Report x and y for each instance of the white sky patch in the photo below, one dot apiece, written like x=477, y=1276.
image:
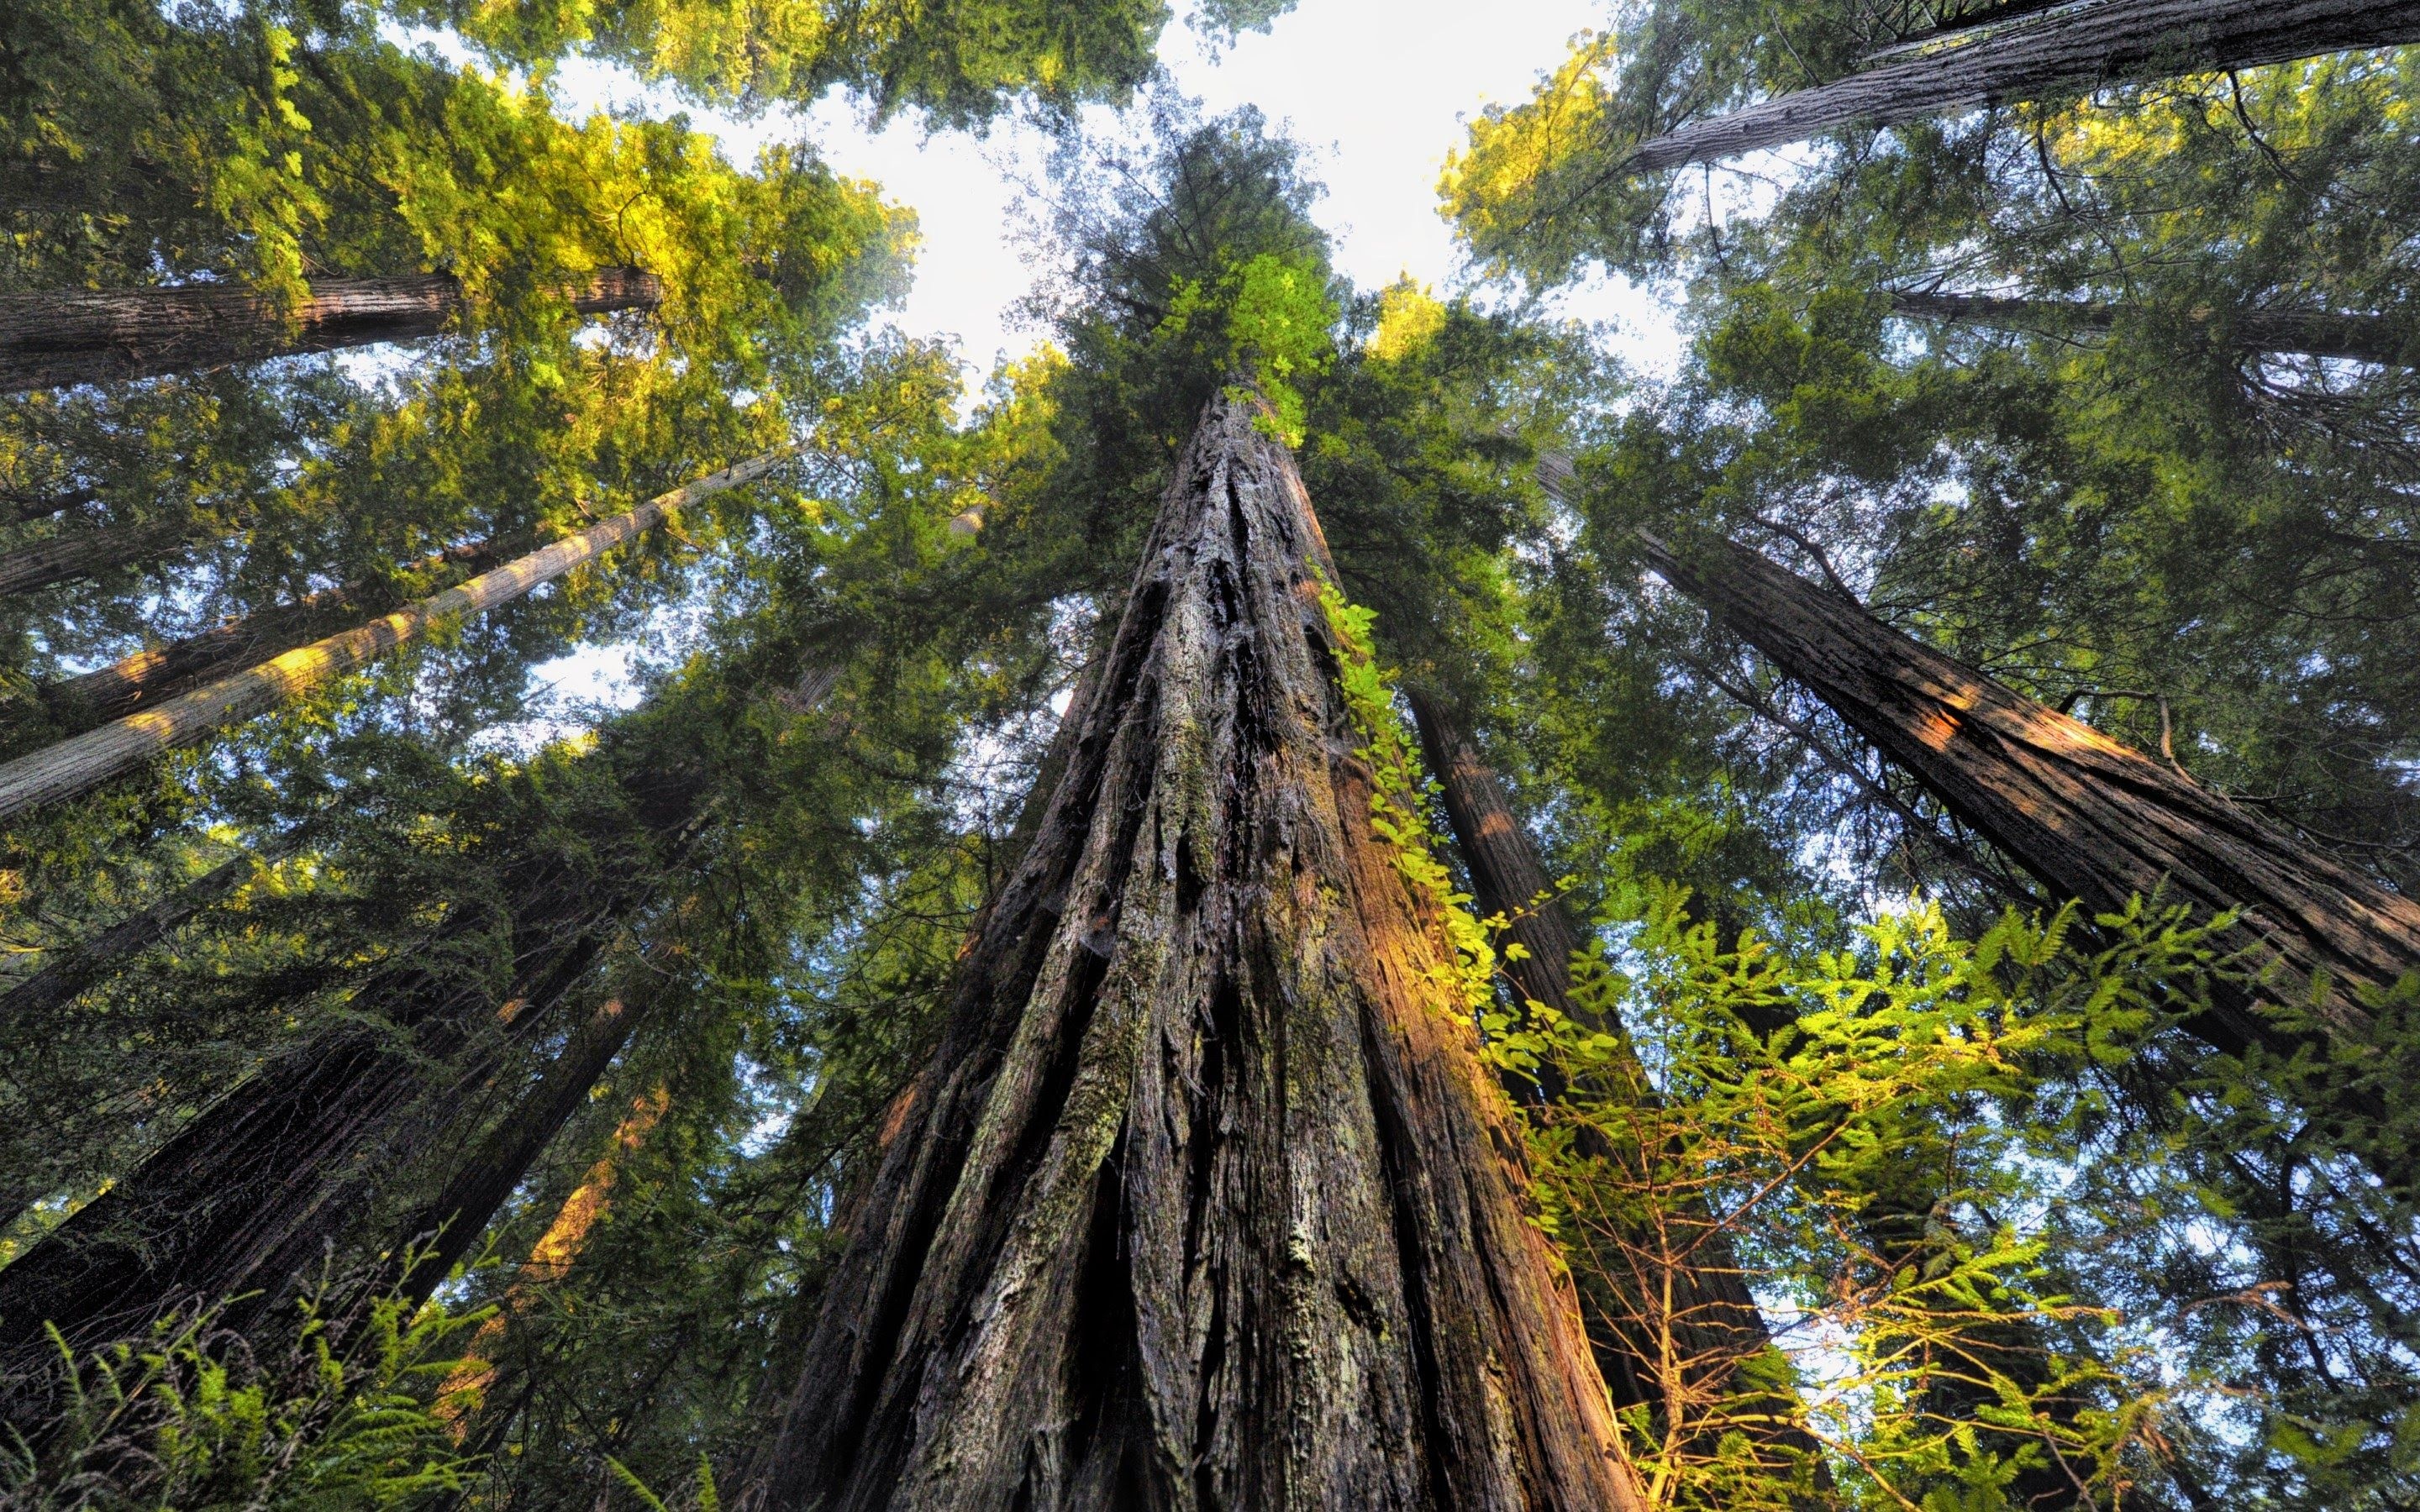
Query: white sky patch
x=1380, y=97
x=568, y=694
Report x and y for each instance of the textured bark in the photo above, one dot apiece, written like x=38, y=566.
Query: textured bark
x=155, y=673
x=59, y=337
x=1204, y=1199
x=68, y=972
x=247, y=1196
x=2367, y=339
x=1706, y=1323
x=2095, y=820
x=82, y=763
x=73, y=554
x=2073, y=46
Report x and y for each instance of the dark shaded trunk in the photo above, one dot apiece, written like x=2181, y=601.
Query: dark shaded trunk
x=60, y=337
x=71, y=970
x=440, y=1236
x=2366, y=338
x=1205, y=1199
x=1679, y=1348
x=248, y=1196
x=157, y=674
x=89, y=553
x=19, y=508
x=2095, y=820
x=2070, y=48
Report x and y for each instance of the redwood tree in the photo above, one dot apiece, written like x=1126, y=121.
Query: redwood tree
x=2073, y=46
x=1680, y=1320
x=1205, y=1197
x=2367, y=339
x=2096, y=819
x=57, y=337
x=243, y=1202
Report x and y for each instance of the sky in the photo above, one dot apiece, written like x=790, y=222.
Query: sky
x=1378, y=91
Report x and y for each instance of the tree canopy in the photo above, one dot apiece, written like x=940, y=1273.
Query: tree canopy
x=1034, y=987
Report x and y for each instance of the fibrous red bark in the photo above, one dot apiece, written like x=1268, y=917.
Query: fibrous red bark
x=59, y=337
x=2094, y=819
x=2366, y=338
x=2070, y=47
x=1205, y=1199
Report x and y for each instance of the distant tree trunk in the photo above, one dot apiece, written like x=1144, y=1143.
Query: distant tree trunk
x=249, y=1197
x=60, y=337
x=1707, y=1324
x=18, y=508
x=88, y=553
x=246, y=1197
x=2073, y=46
x=70, y=971
x=1205, y=1199
x=2366, y=338
x=82, y=763
x=440, y=1235
x=2095, y=820
x=552, y=1258
x=157, y=674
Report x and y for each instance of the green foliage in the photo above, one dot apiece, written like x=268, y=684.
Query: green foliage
x=1868, y=1137
x=961, y=63
x=1400, y=795
x=190, y=1417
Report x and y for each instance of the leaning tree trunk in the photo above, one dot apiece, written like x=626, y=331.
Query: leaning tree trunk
x=1681, y=1320
x=82, y=763
x=1204, y=1198
x=19, y=508
x=2096, y=820
x=89, y=553
x=73, y=969
x=150, y=677
x=438, y=1237
x=59, y=337
x=2367, y=339
x=2073, y=46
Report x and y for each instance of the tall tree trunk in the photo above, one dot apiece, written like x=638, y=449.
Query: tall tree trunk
x=88, y=553
x=246, y=1197
x=439, y=1236
x=68, y=972
x=155, y=673
x=59, y=337
x=2366, y=338
x=1204, y=1198
x=82, y=763
x=2095, y=820
x=2073, y=46
x=552, y=1258
x=1680, y=1320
